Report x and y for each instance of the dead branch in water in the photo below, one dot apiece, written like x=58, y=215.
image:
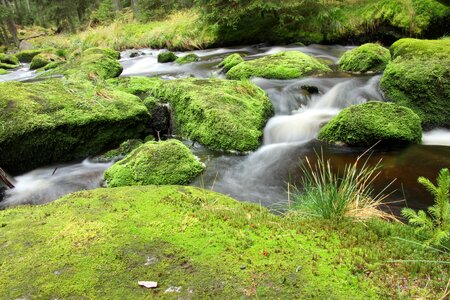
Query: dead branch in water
x=5, y=180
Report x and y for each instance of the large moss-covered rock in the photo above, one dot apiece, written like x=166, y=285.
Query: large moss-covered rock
x=60, y=120
x=155, y=163
x=136, y=85
x=230, y=61
x=8, y=66
x=190, y=58
x=165, y=57
x=43, y=59
x=283, y=65
x=366, y=124
x=221, y=114
x=26, y=56
x=419, y=78
x=9, y=59
x=366, y=58
x=107, y=51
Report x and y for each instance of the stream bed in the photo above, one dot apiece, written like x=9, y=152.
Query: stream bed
x=289, y=137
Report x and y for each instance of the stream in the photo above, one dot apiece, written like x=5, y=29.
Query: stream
x=289, y=136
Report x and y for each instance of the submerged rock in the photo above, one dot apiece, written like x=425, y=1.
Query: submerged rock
x=366, y=58
x=187, y=59
x=366, y=124
x=165, y=57
x=419, y=78
x=283, y=65
x=59, y=120
x=231, y=61
x=159, y=163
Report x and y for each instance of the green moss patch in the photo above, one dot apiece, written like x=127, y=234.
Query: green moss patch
x=283, y=65
x=59, y=120
x=26, y=56
x=231, y=61
x=365, y=124
x=107, y=51
x=43, y=59
x=366, y=58
x=190, y=58
x=99, y=244
x=9, y=59
x=3, y=72
x=165, y=57
x=120, y=152
x=136, y=85
x=221, y=114
x=8, y=66
x=419, y=78
x=168, y=162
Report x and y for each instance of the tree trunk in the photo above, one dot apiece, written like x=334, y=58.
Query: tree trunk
x=116, y=5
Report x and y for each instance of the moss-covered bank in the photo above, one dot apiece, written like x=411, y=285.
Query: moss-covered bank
x=167, y=162
x=365, y=58
x=283, y=65
x=366, y=124
x=99, y=244
x=59, y=120
x=221, y=114
x=419, y=78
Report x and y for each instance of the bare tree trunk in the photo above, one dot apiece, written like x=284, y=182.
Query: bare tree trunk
x=5, y=180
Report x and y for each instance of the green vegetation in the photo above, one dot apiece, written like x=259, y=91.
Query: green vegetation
x=330, y=195
x=191, y=57
x=168, y=162
x=283, y=65
x=8, y=66
x=27, y=56
x=98, y=244
x=365, y=58
x=3, y=72
x=434, y=226
x=220, y=114
x=371, y=122
x=43, y=59
x=165, y=57
x=113, y=54
x=231, y=61
x=136, y=85
x=419, y=78
x=59, y=120
x=9, y=59
x=120, y=152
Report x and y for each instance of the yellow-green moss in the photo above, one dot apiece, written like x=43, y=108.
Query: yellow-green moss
x=9, y=59
x=189, y=58
x=43, y=59
x=365, y=58
x=26, y=56
x=3, y=72
x=231, y=61
x=167, y=162
x=136, y=85
x=283, y=65
x=366, y=124
x=165, y=57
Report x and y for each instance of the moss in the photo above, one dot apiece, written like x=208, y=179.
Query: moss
x=43, y=59
x=283, y=65
x=3, y=72
x=165, y=57
x=136, y=85
x=107, y=51
x=366, y=124
x=60, y=120
x=98, y=244
x=366, y=58
x=221, y=114
x=231, y=61
x=9, y=59
x=168, y=162
x=8, y=66
x=53, y=65
x=26, y=56
x=124, y=149
x=190, y=58
x=419, y=78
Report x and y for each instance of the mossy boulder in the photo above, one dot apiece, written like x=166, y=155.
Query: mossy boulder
x=230, y=61
x=419, y=78
x=366, y=124
x=8, y=66
x=43, y=59
x=59, y=120
x=9, y=59
x=283, y=65
x=190, y=58
x=107, y=51
x=155, y=163
x=366, y=58
x=221, y=114
x=26, y=56
x=167, y=56
x=136, y=85
x=3, y=72
x=120, y=152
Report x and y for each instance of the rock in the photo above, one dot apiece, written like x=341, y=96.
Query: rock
x=8, y=66
x=283, y=65
x=220, y=114
x=310, y=89
x=366, y=58
x=26, y=56
x=9, y=59
x=135, y=54
x=165, y=57
x=187, y=59
x=155, y=163
x=231, y=61
x=136, y=85
x=106, y=51
x=43, y=59
x=60, y=120
x=124, y=149
x=418, y=77
x=366, y=124
x=24, y=45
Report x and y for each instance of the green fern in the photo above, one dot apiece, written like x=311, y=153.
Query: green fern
x=436, y=225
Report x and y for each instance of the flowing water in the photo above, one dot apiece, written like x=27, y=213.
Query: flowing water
x=289, y=136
